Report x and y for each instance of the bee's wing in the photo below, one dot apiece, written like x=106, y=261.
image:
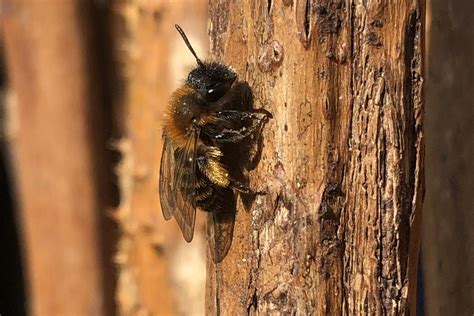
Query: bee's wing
x=178, y=184
x=167, y=198
x=220, y=226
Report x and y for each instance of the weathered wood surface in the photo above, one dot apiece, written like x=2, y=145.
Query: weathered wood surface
x=56, y=135
x=342, y=162
x=448, y=237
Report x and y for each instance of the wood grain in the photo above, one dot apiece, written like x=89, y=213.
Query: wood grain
x=448, y=237
x=56, y=143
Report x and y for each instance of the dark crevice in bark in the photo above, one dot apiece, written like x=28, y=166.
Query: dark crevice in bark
x=329, y=20
x=269, y=6
x=410, y=138
x=253, y=303
x=252, y=286
x=307, y=19
x=345, y=211
x=382, y=207
x=218, y=292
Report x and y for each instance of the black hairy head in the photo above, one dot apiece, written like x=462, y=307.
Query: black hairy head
x=212, y=80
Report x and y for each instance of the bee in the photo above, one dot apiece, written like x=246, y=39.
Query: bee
x=206, y=117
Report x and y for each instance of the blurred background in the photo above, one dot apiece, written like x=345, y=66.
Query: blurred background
x=81, y=85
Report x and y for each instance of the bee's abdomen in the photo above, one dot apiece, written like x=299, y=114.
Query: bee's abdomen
x=204, y=189
x=208, y=195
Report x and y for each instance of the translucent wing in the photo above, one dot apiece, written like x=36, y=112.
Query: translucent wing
x=220, y=226
x=178, y=183
x=167, y=199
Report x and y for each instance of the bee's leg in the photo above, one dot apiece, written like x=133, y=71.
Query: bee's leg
x=244, y=188
x=234, y=126
x=209, y=164
x=232, y=136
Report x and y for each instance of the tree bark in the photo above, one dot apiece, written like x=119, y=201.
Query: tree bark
x=448, y=237
x=342, y=163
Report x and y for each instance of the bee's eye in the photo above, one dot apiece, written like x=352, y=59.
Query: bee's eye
x=216, y=91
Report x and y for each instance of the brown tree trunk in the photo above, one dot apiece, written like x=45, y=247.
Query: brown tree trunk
x=448, y=237
x=342, y=161
x=159, y=273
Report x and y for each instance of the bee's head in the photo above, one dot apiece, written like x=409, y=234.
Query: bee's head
x=210, y=79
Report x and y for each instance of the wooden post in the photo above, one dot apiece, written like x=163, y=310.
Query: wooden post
x=342, y=162
x=56, y=136
x=448, y=237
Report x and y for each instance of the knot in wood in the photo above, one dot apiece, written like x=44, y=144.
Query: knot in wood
x=270, y=56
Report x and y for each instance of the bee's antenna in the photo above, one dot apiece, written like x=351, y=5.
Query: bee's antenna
x=185, y=38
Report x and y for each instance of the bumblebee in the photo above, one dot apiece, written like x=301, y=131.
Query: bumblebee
x=210, y=113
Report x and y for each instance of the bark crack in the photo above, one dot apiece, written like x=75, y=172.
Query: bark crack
x=255, y=226
x=307, y=20
x=269, y=6
x=253, y=303
x=409, y=139
x=344, y=296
